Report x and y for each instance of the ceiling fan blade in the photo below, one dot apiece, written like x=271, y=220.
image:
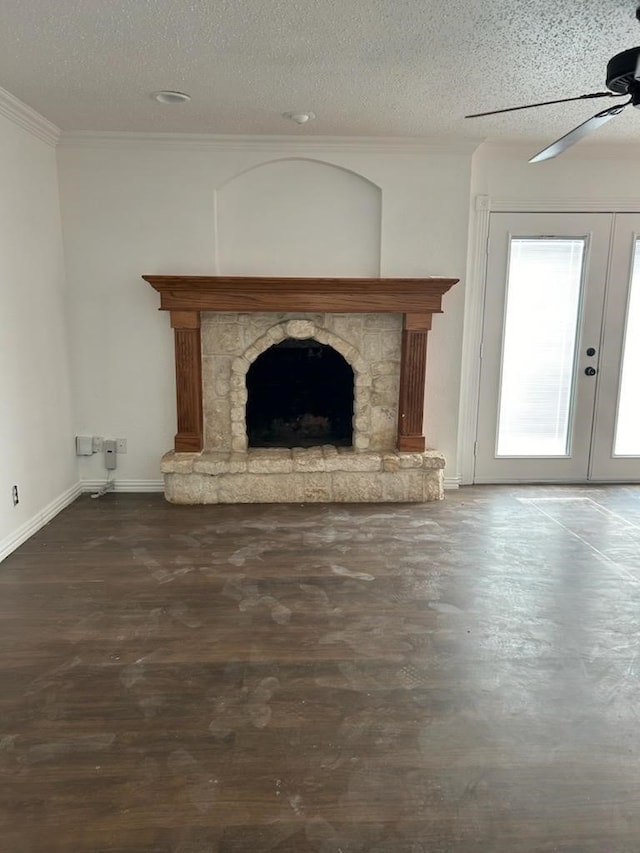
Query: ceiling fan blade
x=578, y=133
x=546, y=103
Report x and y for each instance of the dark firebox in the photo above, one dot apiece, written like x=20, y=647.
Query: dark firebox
x=300, y=393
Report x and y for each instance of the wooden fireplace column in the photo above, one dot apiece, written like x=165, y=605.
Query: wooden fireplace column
x=413, y=372
x=187, y=296
x=188, y=352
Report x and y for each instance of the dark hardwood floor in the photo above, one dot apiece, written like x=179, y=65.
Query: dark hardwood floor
x=440, y=678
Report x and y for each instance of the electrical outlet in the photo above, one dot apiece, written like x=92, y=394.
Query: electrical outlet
x=121, y=445
x=14, y=494
x=97, y=443
x=110, y=455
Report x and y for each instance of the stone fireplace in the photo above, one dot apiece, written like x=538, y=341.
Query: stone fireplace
x=300, y=390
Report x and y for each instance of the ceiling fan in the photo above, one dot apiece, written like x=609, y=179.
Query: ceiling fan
x=623, y=78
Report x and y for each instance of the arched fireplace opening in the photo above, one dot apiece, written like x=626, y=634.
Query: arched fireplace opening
x=300, y=394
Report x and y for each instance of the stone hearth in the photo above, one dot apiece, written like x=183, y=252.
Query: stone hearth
x=385, y=347
x=303, y=475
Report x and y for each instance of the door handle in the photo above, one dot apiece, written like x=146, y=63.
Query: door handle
x=590, y=371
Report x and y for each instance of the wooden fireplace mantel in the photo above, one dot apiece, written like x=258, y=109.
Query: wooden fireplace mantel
x=186, y=296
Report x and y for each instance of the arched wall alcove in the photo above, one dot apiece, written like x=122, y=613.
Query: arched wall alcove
x=296, y=217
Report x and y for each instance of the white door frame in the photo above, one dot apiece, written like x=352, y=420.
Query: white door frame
x=479, y=214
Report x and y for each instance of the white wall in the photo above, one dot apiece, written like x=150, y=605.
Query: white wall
x=132, y=207
x=36, y=430
x=586, y=176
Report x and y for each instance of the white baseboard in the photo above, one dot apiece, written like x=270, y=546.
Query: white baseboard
x=453, y=482
x=25, y=531
x=124, y=485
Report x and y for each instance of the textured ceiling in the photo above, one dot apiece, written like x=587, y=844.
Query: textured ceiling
x=365, y=67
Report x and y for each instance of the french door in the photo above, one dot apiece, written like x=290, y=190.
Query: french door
x=560, y=350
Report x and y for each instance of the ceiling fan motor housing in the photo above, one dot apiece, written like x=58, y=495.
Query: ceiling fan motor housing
x=621, y=72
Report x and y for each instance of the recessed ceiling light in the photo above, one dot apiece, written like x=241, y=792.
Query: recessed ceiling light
x=168, y=97
x=299, y=117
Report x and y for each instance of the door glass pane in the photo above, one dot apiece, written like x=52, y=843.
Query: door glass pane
x=538, y=358
x=627, y=442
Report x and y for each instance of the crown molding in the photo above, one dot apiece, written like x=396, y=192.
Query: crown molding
x=306, y=145
x=22, y=115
